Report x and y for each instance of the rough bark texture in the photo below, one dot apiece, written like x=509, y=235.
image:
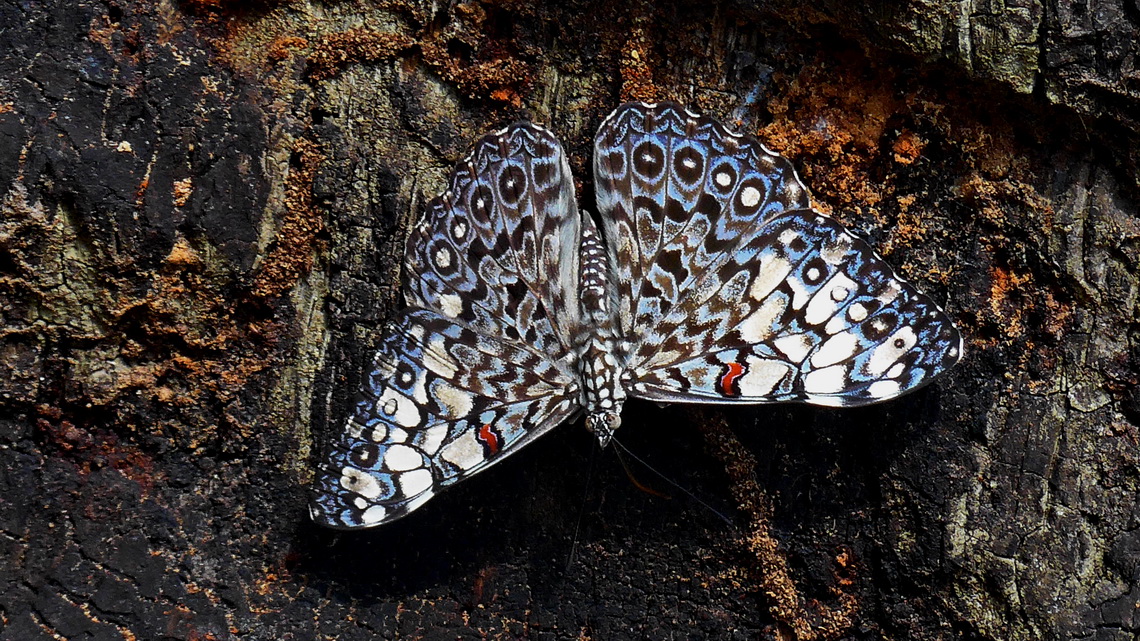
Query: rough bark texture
x=203, y=208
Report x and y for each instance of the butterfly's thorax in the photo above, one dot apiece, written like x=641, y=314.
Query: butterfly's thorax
x=600, y=364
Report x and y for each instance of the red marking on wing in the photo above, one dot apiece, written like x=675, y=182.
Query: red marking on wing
x=489, y=439
x=732, y=372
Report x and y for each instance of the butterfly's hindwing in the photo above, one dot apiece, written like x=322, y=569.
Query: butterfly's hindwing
x=441, y=403
x=813, y=315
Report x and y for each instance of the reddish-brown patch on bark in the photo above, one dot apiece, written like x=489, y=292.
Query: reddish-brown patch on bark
x=336, y=51
x=91, y=448
x=282, y=47
x=498, y=78
x=907, y=147
x=799, y=618
x=831, y=120
x=1007, y=299
x=636, y=68
x=292, y=252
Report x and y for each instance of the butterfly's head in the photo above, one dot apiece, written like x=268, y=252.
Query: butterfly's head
x=603, y=424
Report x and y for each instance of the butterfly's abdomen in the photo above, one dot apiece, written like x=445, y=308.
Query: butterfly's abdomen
x=600, y=364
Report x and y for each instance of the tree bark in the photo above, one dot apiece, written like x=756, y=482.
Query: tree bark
x=203, y=213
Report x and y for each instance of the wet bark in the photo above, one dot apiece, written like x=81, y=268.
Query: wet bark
x=203, y=210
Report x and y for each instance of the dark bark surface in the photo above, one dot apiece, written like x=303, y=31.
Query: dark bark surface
x=202, y=212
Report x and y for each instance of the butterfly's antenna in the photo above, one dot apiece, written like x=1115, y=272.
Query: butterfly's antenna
x=686, y=492
x=582, y=504
x=633, y=479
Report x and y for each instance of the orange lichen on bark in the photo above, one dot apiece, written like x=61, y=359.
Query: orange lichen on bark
x=280, y=48
x=636, y=70
x=836, y=117
x=292, y=251
x=336, y=51
x=182, y=190
x=497, y=79
x=805, y=620
x=1007, y=290
x=907, y=147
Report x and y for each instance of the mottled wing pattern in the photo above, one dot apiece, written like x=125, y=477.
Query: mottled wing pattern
x=498, y=251
x=806, y=312
x=481, y=362
x=443, y=402
x=678, y=194
x=789, y=306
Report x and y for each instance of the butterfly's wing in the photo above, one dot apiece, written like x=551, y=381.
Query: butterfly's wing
x=443, y=402
x=481, y=362
x=746, y=294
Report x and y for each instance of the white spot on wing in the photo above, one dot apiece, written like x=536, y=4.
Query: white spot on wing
x=750, y=196
x=762, y=376
x=890, y=292
x=464, y=452
x=757, y=326
x=374, y=514
x=835, y=349
x=400, y=458
x=414, y=482
x=360, y=482
x=451, y=305
x=884, y=389
x=836, y=324
x=825, y=303
x=431, y=438
x=795, y=347
x=442, y=258
x=402, y=409
x=773, y=270
x=890, y=351
x=829, y=380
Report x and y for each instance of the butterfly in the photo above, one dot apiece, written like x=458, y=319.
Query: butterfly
x=710, y=279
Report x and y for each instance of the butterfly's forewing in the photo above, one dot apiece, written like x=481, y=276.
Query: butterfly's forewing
x=678, y=194
x=498, y=251
x=788, y=307
x=481, y=362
